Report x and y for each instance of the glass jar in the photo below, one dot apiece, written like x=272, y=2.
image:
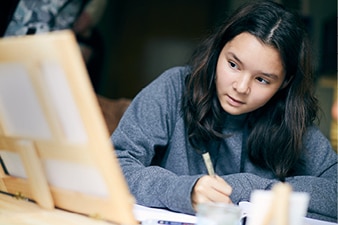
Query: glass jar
x=218, y=214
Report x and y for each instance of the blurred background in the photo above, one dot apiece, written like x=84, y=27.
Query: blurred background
x=135, y=41
x=143, y=38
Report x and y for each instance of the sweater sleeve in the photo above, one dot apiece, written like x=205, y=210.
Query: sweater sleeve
x=319, y=179
x=145, y=129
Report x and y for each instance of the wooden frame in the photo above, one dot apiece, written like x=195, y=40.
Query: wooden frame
x=54, y=143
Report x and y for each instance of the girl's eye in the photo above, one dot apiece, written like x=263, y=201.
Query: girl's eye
x=262, y=80
x=233, y=65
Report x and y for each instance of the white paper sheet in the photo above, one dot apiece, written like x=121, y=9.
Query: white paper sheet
x=149, y=215
x=14, y=164
x=62, y=174
x=19, y=104
x=62, y=99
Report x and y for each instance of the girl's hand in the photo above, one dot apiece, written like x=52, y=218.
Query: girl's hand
x=211, y=189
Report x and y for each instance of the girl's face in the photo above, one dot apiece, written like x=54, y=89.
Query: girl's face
x=248, y=74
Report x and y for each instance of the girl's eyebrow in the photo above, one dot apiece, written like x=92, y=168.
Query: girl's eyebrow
x=235, y=57
x=270, y=75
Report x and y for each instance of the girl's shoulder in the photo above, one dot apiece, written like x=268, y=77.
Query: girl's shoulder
x=315, y=141
x=175, y=74
x=168, y=86
x=171, y=81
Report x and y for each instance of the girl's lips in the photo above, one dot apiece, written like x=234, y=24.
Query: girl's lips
x=234, y=102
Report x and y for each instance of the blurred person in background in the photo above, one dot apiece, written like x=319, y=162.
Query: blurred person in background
x=28, y=17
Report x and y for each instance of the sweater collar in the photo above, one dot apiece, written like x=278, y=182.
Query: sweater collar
x=234, y=122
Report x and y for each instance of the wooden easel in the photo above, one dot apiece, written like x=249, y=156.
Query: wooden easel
x=48, y=70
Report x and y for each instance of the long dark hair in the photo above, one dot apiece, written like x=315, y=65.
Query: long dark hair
x=276, y=129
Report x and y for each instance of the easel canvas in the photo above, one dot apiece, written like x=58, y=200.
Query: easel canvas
x=54, y=143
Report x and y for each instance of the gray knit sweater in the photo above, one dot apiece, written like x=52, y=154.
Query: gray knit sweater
x=161, y=167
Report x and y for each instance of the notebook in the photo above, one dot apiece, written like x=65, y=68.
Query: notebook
x=54, y=144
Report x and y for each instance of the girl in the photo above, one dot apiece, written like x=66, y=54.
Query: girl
x=247, y=99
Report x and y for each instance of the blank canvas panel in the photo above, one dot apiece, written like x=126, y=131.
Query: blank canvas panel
x=53, y=137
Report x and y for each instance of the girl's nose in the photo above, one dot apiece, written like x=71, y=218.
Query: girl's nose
x=242, y=85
